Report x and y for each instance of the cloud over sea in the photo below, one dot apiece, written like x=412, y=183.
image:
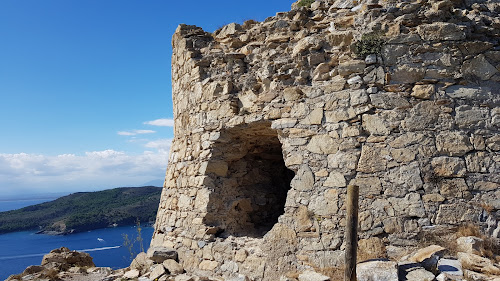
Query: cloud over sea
x=93, y=170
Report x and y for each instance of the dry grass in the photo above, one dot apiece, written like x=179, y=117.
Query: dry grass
x=445, y=237
x=468, y=230
x=51, y=273
x=15, y=277
x=491, y=246
x=335, y=273
x=292, y=274
x=371, y=248
x=487, y=207
x=448, y=238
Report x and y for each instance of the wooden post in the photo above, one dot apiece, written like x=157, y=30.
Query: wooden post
x=351, y=233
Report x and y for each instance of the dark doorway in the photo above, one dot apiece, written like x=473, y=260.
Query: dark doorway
x=248, y=200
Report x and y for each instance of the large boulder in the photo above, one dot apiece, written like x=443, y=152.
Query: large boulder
x=64, y=256
x=160, y=254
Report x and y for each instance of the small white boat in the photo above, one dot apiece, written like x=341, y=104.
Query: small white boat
x=100, y=239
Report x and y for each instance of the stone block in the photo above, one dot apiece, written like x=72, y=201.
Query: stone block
x=373, y=159
x=304, y=179
x=314, y=118
x=470, y=244
x=371, y=248
x=292, y=94
x=412, y=271
x=341, y=38
x=335, y=179
x=322, y=144
x=392, y=53
x=455, y=214
x=388, y=100
x=470, y=117
x=448, y=166
x=173, y=267
x=375, y=77
x=229, y=30
x=239, y=277
x=241, y=255
x=218, y=167
x=349, y=67
x=451, y=269
x=284, y=123
x=131, y=274
x=423, y=91
x=454, y=188
x=208, y=265
x=422, y=116
x=309, y=275
x=157, y=271
x=468, y=92
x=406, y=177
x=453, y=143
x=440, y=31
x=367, y=185
x=344, y=4
x=377, y=271
x=371, y=59
x=407, y=74
x=428, y=257
x=479, y=67
x=477, y=263
x=345, y=161
x=307, y=44
x=141, y=262
x=326, y=204
x=160, y=254
x=493, y=143
x=375, y=125
x=184, y=277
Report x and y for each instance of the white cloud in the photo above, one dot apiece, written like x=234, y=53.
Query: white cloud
x=145, y=131
x=123, y=133
x=161, y=145
x=164, y=122
x=93, y=170
x=135, y=132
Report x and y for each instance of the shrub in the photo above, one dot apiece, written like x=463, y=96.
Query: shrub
x=306, y=3
x=369, y=44
x=129, y=242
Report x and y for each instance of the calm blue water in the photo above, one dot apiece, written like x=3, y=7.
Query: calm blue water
x=19, y=250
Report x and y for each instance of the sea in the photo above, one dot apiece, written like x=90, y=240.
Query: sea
x=19, y=250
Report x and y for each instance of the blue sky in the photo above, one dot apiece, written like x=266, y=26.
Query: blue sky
x=85, y=93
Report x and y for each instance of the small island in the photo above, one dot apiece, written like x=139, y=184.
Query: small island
x=84, y=211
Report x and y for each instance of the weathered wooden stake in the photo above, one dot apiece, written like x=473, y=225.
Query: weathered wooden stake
x=351, y=233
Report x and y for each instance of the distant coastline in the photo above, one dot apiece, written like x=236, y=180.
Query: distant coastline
x=15, y=204
x=83, y=211
x=33, y=196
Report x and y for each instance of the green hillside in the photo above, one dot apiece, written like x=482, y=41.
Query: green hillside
x=86, y=211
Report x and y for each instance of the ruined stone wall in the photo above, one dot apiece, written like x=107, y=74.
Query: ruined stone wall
x=274, y=119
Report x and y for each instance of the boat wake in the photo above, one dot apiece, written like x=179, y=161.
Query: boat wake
x=99, y=249
x=41, y=255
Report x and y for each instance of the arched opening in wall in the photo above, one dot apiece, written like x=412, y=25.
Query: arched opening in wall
x=250, y=181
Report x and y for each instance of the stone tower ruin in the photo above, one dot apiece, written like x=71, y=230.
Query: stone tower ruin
x=274, y=119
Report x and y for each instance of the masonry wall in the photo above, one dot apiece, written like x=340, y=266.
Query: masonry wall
x=274, y=119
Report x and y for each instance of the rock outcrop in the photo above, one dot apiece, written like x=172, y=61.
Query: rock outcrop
x=473, y=261
x=63, y=264
x=274, y=119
